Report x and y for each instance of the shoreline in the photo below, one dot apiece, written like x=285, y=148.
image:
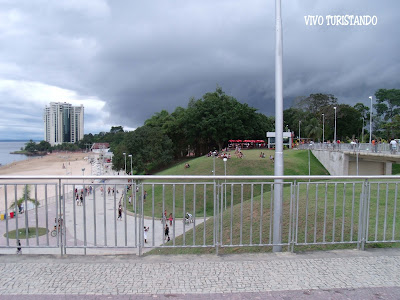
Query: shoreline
x=59, y=163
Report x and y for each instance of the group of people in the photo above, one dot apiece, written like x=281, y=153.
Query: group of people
x=262, y=155
x=164, y=218
x=393, y=146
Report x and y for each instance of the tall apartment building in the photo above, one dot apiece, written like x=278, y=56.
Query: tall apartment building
x=63, y=123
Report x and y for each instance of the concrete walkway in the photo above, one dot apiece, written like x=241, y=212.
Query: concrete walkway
x=95, y=222
x=345, y=274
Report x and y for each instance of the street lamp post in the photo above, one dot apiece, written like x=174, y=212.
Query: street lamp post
x=323, y=129
x=334, y=138
x=83, y=174
x=130, y=155
x=125, y=161
x=225, y=160
x=370, y=123
x=214, y=153
x=362, y=132
x=299, y=133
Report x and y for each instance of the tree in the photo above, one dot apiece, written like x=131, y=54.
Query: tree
x=316, y=103
x=115, y=129
x=44, y=146
x=387, y=107
x=364, y=112
x=313, y=129
x=216, y=118
x=291, y=118
x=150, y=148
x=30, y=146
x=349, y=122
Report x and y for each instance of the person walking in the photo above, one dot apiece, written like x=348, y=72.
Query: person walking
x=19, y=249
x=146, y=229
x=170, y=219
x=166, y=237
x=120, y=212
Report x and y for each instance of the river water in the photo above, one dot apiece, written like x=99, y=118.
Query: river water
x=8, y=146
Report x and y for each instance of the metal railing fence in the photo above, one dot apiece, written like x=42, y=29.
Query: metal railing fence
x=384, y=148
x=134, y=214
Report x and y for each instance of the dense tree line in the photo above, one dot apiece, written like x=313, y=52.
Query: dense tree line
x=206, y=124
x=352, y=122
x=209, y=122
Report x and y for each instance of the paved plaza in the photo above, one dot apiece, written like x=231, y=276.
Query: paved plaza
x=344, y=274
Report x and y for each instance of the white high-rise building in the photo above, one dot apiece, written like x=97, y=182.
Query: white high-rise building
x=63, y=123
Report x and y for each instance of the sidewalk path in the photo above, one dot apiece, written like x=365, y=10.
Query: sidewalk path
x=373, y=274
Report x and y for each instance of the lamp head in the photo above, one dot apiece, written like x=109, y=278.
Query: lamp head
x=370, y=97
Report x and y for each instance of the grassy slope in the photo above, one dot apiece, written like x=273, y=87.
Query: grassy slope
x=296, y=163
x=256, y=215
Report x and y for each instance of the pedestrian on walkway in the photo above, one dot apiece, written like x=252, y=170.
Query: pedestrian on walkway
x=81, y=200
x=146, y=229
x=130, y=199
x=166, y=237
x=77, y=199
x=170, y=219
x=120, y=212
x=19, y=250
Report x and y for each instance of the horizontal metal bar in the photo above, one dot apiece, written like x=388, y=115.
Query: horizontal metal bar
x=203, y=177
x=326, y=243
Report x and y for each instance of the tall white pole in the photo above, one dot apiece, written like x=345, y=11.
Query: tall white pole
x=323, y=128
x=125, y=161
x=362, y=132
x=370, y=123
x=130, y=155
x=225, y=160
x=334, y=138
x=278, y=165
x=299, y=133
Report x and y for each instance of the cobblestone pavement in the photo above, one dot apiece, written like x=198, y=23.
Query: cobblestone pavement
x=353, y=274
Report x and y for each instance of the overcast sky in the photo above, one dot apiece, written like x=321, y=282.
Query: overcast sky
x=126, y=60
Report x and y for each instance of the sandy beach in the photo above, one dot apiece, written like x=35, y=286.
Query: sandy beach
x=69, y=164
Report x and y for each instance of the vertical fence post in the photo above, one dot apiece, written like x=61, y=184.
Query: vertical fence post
x=140, y=214
x=216, y=185
x=60, y=216
x=292, y=215
x=221, y=206
x=364, y=210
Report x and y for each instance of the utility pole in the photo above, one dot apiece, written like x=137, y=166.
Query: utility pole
x=278, y=165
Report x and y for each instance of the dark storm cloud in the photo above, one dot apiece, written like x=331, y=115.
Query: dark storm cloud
x=141, y=57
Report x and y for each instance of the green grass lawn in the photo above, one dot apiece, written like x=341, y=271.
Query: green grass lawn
x=22, y=233
x=321, y=220
x=190, y=197
x=247, y=218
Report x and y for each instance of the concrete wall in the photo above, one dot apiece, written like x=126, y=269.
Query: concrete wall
x=339, y=163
